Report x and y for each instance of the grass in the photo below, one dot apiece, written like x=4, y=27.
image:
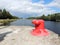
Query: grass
x=6, y=21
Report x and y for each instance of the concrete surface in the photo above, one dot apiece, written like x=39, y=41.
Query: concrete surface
x=20, y=35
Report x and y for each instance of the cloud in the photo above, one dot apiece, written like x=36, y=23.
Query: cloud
x=55, y=3
x=27, y=7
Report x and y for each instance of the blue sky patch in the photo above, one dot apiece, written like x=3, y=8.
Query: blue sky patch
x=47, y=1
x=56, y=9
x=35, y=1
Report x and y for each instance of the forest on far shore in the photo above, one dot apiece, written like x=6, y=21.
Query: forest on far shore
x=6, y=15
x=49, y=17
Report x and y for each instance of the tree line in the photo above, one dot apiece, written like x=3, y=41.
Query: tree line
x=49, y=17
x=6, y=15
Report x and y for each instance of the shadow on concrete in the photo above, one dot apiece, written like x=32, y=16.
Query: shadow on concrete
x=4, y=35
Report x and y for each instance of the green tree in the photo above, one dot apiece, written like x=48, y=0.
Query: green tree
x=9, y=15
x=43, y=17
x=4, y=13
x=0, y=14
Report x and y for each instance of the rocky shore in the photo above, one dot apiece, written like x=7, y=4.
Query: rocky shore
x=21, y=35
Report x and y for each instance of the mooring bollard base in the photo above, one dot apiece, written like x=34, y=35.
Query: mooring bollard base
x=40, y=32
x=39, y=28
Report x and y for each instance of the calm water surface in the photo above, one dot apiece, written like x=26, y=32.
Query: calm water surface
x=53, y=26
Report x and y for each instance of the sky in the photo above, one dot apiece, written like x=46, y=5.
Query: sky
x=29, y=8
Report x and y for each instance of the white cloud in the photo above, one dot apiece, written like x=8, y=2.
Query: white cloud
x=26, y=6
x=55, y=3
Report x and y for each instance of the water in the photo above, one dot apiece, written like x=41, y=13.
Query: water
x=53, y=26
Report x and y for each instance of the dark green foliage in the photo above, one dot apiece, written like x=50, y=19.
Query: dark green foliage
x=15, y=17
x=49, y=17
x=6, y=15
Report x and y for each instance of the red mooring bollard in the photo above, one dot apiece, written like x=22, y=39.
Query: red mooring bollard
x=39, y=28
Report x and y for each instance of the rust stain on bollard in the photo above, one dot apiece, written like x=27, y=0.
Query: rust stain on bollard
x=39, y=28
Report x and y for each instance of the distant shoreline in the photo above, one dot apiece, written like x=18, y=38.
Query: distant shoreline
x=47, y=20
